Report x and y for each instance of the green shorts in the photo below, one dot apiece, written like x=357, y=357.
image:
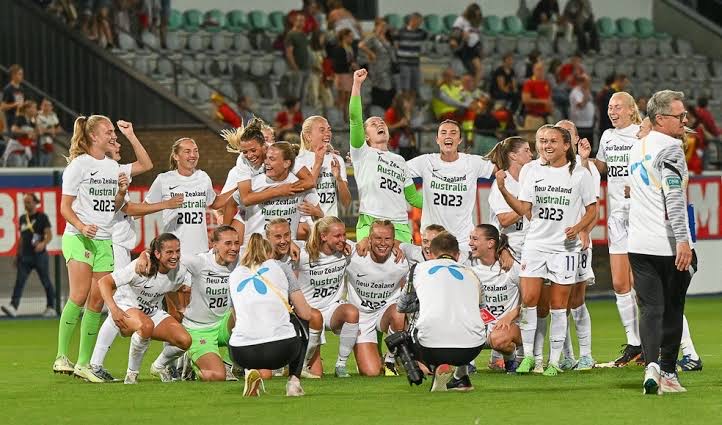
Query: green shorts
x=207, y=340
x=98, y=254
x=363, y=227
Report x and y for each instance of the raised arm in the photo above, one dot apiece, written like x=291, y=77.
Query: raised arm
x=355, y=110
x=143, y=162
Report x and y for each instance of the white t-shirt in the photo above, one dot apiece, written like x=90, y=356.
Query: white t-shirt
x=557, y=197
x=282, y=207
x=501, y=289
x=381, y=177
x=188, y=222
x=582, y=117
x=614, y=147
x=497, y=205
x=125, y=232
x=261, y=315
x=94, y=183
x=209, y=290
x=326, y=183
x=464, y=25
x=449, y=298
x=372, y=285
x=449, y=191
x=146, y=292
x=413, y=253
x=322, y=281
x=242, y=171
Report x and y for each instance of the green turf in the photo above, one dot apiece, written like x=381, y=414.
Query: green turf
x=31, y=394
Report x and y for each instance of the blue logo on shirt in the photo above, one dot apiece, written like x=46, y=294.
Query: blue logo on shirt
x=642, y=170
x=452, y=271
x=257, y=282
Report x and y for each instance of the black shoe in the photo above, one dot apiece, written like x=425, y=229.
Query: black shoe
x=630, y=353
x=461, y=384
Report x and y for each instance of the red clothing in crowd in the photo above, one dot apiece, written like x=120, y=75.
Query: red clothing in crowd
x=282, y=119
x=538, y=89
x=707, y=120
x=229, y=116
x=310, y=24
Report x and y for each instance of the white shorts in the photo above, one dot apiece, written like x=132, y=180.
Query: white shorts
x=585, y=273
x=121, y=257
x=327, y=314
x=370, y=323
x=559, y=268
x=617, y=231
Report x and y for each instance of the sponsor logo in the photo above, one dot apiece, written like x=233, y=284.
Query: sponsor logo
x=173, y=187
x=537, y=181
x=92, y=173
x=361, y=274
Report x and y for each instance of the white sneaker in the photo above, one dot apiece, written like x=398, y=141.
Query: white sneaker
x=63, y=365
x=87, y=373
x=9, y=310
x=50, y=312
x=442, y=376
x=293, y=388
x=669, y=383
x=131, y=377
x=651, y=380
x=306, y=374
x=538, y=366
x=162, y=373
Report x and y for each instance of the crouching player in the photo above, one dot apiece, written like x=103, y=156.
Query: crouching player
x=133, y=301
x=375, y=282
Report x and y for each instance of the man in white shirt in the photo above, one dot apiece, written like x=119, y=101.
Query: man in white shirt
x=659, y=239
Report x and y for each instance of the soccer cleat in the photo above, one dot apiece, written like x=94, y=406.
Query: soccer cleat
x=688, y=364
x=471, y=369
x=650, y=386
x=50, y=312
x=526, y=365
x=568, y=363
x=184, y=369
x=462, y=384
x=293, y=388
x=63, y=365
x=669, y=383
x=510, y=366
x=552, y=370
x=442, y=376
x=229, y=372
x=341, y=372
x=307, y=374
x=585, y=363
x=630, y=353
x=86, y=373
x=538, y=366
x=131, y=377
x=10, y=310
x=163, y=373
x=496, y=364
x=390, y=369
x=280, y=372
x=176, y=375
x=252, y=384
x=103, y=373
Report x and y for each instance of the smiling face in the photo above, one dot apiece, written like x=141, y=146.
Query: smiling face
x=335, y=237
x=113, y=150
x=279, y=235
x=554, y=147
x=377, y=133
x=104, y=135
x=381, y=240
x=426, y=239
x=186, y=155
x=479, y=244
x=227, y=247
x=277, y=168
x=254, y=151
x=619, y=112
x=319, y=134
x=168, y=255
x=448, y=138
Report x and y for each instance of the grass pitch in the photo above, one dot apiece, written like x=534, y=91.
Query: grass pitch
x=31, y=394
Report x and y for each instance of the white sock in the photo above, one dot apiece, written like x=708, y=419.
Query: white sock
x=558, y=333
x=461, y=371
x=106, y=335
x=170, y=352
x=389, y=357
x=347, y=339
x=687, y=344
x=628, y=313
x=138, y=347
x=539, y=338
x=528, y=325
x=583, y=324
x=568, y=350
x=314, y=340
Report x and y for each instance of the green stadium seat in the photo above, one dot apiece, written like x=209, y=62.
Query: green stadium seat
x=193, y=19
x=433, y=24
x=214, y=20
x=449, y=22
x=645, y=29
x=236, y=21
x=394, y=21
x=175, y=21
x=258, y=20
x=492, y=25
x=606, y=27
x=626, y=28
x=515, y=28
x=277, y=22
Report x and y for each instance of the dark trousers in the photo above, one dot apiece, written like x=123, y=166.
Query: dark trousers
x=26, y=264
x=661, y=291
x=272, y=355
x=433, y=357
x=587, y=29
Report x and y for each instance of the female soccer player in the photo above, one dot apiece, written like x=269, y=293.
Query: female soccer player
x=321, y=269
x=262, y=290
x=613, y=159
x=374, y=284
x=134, y=301
x=553, y=194
x=92, y=192
x=383, y=177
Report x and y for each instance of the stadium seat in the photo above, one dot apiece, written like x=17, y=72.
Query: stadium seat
x=236, y=21
x=241, y=43
x=525, y=45
x=606, y=27
x=394, y=21
x=175, y=20
x=488, y=44
x=628, y=46
x=700, y=71
x=665, y=48
x=175, y=40
x=203, y=91
x=492, y=25
x=279, y=66
x=193, y=20
x=149, y=39
x=643, y=69
x=514, y=27
x=545, y=46
x=717, y=68
x=335, y=117
x=258, y=20
x=565, y=47
x=609, y=46
x=648, y=47
x=645, y=29
x=197, y=42
x=682, y=71
x=126, y=42
x=449, y=22
x=684, y=48
x=277, y=22
x=214, y=20
x=625, y=66
x=626, y=28
x=604, y=67
x=665, y=70
x=433, y=24
x=220, y=42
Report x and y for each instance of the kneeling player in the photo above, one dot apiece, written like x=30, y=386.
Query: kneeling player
x=375, y=281
x=133, y=301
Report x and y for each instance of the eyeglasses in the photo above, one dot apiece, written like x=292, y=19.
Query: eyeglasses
x=681, y=117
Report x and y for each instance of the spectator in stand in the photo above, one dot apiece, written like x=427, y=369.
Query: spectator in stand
x=298, y=57
x=693, y=141
x=340, y=18
x=382, y=61
x=706, y=120
x=318, y=92
x=409, y=41
x=613, y=84
x=243, y=106
x=503, y=83
x=581, y=107
x=537, y=99
x=49, y=128
x=572, y=71
x=531, y=59
x=544, y=18
x=447, y=103
x=309, y=10
x=344, y=64
x=560, y=95
x=465, y=40
x=470, y=96
x=580, y=15
x=13, y=96
x=224, y=112
x=398, y=119
x=32, y=254
x=642, y=106
x=24, y=129
x=95, y=22
x=290, y=118
x=485, y=122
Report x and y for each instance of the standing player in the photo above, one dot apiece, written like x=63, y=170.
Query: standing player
x=321, y=269
x=383, y=178
x=553, y=194
x=92, y=192
x=374, y=285
x=613, y=159
x=134, y=301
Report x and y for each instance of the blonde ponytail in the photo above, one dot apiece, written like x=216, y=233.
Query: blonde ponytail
x=322, y=226
x=258, y=250
x=80, y=142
